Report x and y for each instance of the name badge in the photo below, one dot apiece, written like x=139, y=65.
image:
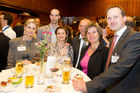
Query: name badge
x=21, y=48
x=114, y=59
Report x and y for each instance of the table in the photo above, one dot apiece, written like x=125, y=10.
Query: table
x=68, y=88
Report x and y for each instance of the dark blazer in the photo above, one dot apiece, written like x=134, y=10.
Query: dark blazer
x=97, y=60
x=19, y=29
x=124, y=75
x=76, y=45
x=4, y=47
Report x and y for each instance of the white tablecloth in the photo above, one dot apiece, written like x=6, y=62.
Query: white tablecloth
x=65, y=88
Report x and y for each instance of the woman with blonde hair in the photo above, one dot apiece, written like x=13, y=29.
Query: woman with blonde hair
x=23, y=48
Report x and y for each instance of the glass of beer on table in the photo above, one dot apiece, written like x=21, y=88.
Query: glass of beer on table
x=29, y=76
x=19, y=68
x=66, y=70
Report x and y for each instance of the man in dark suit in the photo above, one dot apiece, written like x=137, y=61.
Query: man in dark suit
x=4, y=47
x=19, y=29
x=78, y=41
x=123, y=74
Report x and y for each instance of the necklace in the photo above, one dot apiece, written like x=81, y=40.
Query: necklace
x=91, y=51
x=92, y=48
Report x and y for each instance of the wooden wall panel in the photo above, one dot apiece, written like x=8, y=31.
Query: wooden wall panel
x=40, y=7
x=84, y=8
x=76, y=7
x=98, y=7
x=43, y=6
x=131, y=7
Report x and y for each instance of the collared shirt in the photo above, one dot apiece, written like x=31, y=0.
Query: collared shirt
x=53, y=36
x=119, y=34
x=9, y=32
x=80, y=48
x=47, y=28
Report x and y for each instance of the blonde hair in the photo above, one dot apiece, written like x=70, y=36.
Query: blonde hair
x=30, y=21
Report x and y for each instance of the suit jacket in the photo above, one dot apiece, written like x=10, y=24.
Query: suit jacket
x=124, y=75
x=97, y=60
x=16, y=53
x=19, y=29
x=4, y=47
x=76, y=45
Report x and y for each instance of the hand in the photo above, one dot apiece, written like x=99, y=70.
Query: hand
x=63, y=51
x=26, y=62
x=67, y=44
x=79, y=85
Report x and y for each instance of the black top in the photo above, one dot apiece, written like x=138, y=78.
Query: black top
x=4, y=47
x=76, y=45
x=97, y=60
x=19, y=29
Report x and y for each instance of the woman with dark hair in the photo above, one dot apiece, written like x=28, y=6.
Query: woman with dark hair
x=93, y=57
x=61, y=47
x=103, y=25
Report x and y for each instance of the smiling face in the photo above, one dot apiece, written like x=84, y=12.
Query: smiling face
x=93, y=35
x=30, y=29
x=115, y=19
x=82, y=26
x=61, y=34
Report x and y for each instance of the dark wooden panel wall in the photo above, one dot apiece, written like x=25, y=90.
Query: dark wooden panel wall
x=92, y=8
x=40, y=7
x=98, y=7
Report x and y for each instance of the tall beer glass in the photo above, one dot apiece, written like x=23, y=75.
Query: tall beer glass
x=66, y=70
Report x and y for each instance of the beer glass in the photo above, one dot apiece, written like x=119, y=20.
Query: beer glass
x=66, y=70
x=29, y=76
x=19, y=68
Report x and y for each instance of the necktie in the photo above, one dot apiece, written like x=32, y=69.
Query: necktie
x=84, y=43
x=110, y=51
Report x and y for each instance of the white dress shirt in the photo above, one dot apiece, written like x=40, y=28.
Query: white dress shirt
x=80, y=48
x=119, y=34
x=9, y=32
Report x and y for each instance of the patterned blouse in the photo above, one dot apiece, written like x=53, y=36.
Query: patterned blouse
x=54, y=50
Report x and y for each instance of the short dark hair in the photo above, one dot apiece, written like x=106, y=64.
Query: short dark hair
x=56, y=10
x=8, y=17
x=103, y=24
x=122, y=11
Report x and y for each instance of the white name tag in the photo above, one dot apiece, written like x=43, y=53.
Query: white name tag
x=114, y=59
x=21, y=48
